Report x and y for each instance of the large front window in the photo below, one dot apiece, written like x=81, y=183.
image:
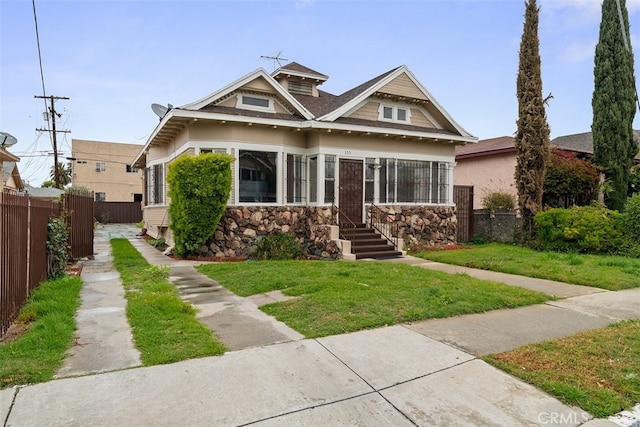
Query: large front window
x=413, y=181
x=257, y=176
x=155, y=185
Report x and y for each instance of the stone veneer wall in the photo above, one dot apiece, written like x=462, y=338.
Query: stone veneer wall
x=240, y=228
x=424, y=225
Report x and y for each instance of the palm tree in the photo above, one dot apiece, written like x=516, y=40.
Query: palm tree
x=64, y=174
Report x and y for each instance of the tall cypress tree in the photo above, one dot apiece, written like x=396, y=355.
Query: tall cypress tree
x=532, y=137
x=613, y=102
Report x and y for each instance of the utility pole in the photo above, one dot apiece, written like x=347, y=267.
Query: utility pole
x=54, y=132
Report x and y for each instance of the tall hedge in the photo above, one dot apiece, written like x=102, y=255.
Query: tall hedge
x=569, y=181
x=199, y=188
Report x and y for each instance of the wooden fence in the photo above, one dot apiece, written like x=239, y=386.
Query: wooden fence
x=23, y=244
x=118, y=212
x=463, y=198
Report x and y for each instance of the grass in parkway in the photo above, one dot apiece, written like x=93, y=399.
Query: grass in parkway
x=600, y=271
x=164, y=327
x=339, y=297
x=595, y=370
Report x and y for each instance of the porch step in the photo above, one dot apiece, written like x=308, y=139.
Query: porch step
x=367, y=243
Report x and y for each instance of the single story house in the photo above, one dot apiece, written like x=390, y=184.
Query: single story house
x=490, y=164
x=303, y=155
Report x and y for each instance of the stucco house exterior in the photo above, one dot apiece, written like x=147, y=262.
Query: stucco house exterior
x=104, y=168
x=490, y=164
x=307, y=159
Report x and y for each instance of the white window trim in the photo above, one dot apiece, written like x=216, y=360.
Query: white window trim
x=241, y=105
x=394, y=113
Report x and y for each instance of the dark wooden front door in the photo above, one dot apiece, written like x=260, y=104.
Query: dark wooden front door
x=351, y=188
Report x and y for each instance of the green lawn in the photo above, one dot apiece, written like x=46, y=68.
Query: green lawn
x=339, y=297
x=49, y=317
x=164, y=327
x=595, y=370
x=606, y=272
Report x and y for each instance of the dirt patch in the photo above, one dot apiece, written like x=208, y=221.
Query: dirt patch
x=13, y=333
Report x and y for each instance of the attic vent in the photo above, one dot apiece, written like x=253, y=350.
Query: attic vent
x=300, y=87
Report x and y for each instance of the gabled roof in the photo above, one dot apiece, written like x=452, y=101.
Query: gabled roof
x=583, y=142
x=257, y=74
x=350, y=99
x=487, y=147
x=295, y=69
x=10, y=169
x=7, y=156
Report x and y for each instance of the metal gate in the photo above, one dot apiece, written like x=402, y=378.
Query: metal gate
x=351, y=189
x=463, y=198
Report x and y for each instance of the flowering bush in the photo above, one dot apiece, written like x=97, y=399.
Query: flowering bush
x=569, y=181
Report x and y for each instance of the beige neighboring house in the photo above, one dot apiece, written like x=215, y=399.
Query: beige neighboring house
x=11, y=179
x=490, y=164
x=299, y=151
x=105, y=169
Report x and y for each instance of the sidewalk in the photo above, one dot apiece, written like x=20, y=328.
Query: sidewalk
x=425, y=373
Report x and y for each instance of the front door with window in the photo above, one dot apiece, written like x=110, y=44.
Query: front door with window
x=351, y=188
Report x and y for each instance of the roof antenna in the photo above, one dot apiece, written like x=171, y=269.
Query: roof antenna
x=277, y=58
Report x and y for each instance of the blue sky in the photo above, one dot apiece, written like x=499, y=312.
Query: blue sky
x=113, y=59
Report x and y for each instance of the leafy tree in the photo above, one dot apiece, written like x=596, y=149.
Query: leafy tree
x=64, y=174
x=613, y=102
x=199, y=188
x=569, y=181
x=532, y=136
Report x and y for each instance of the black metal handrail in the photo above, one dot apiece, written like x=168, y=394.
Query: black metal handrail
x=382, y=222
x=342, y=221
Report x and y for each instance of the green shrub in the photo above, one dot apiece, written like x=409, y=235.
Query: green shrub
x=569, y=181
x=58, y=249
x=278, y=247
x=586, y=229
x=499, y=201
x=199, y=188
x=631, y=225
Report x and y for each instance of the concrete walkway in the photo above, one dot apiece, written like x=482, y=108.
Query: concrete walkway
x=426, y=373
x=103, y=340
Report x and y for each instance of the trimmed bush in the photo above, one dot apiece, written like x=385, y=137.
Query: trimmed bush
x=586, y=229
x=199, y=189
x=58, y=248
x=569, y=181
x=278, y=247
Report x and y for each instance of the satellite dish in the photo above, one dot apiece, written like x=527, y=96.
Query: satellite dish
x=160, y=110
x=7, y=140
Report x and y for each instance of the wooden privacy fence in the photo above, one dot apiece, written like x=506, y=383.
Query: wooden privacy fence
x=463, y=198
x=23, y=244
x=118, y=212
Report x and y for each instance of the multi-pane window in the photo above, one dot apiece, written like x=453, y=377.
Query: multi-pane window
x=213, y=150
x=313, y=179
x=329, y=178
x=155, y=185
x=413, y=181
x=296, y=179
x=393, y=113
x=369, y=179
x=101, y=166
x=101, y=197
x=257, y=176
x=131, y=169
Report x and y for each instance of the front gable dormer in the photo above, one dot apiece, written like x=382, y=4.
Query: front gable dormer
x=299, y=80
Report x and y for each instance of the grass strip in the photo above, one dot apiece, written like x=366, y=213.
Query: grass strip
x=339, y=297
x=595, y=370
x=165, y=329
x=600, y=271
x=49, y=317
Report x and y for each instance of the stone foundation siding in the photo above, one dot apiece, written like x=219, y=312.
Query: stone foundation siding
x=424, y=225
x=241, y=227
